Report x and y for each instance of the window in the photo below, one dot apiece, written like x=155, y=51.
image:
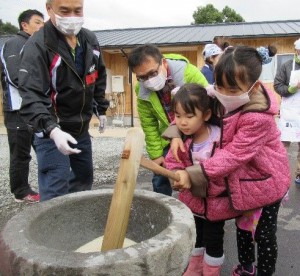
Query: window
x=269, y=70
x=282, y=58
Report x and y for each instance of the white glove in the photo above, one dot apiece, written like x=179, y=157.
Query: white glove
x=102, y=123
x=61, y=140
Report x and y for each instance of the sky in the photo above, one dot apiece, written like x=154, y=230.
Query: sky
x=118, y=14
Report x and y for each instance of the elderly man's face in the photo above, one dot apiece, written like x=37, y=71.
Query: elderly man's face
x=65, y=8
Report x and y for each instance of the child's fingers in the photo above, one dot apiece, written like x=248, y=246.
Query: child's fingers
x=181, y=146
x=174, y=186
x=175, y=154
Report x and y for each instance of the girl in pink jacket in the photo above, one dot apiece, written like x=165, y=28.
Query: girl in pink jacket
x=192, y=108
x=250, y=160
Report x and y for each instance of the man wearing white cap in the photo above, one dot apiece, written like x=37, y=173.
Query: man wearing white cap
x=287, y=84
x=210, y=54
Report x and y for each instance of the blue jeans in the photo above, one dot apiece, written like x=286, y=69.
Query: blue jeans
x=60, y=174
x=161, y=184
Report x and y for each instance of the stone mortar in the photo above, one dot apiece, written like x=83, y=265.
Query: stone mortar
x=41, y=239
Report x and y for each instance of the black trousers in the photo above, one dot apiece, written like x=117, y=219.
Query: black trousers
x=265, y=237
x=20, y=139
x=210, y=235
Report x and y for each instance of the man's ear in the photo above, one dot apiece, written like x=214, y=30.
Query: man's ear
x=48, y=7
x=24, y=26
x=207, y=115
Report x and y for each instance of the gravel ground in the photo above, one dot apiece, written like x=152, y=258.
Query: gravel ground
x=107, y=152
x=106, y=158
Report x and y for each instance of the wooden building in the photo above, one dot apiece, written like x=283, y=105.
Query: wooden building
x=186, y=40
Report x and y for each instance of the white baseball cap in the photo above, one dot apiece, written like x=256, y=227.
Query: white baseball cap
x=297, y=44
x=211, y=50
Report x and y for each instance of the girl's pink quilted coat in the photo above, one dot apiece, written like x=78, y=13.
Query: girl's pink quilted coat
x=249, y=164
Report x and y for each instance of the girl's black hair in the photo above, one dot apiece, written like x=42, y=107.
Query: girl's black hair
x=272, y=50
x=191, y=96
x=241, y=63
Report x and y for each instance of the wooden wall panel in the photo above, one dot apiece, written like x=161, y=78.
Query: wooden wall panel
x=283, y=44
x=118, y=65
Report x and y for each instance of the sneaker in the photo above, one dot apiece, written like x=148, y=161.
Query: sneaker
x=239, y=270
x=30, y=198
x=297, y=179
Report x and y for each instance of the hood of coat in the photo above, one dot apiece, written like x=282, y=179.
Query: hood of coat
x=263, y=100
x=23, y=34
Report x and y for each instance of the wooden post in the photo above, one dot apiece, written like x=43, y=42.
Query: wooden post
x=118, y=216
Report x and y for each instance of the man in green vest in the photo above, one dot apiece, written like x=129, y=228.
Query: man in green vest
x=158, y=77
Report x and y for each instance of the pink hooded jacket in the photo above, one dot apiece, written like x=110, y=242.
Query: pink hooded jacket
x=250, y=162
x=216, y=205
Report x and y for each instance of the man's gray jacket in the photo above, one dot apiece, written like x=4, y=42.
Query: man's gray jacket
x=10, y=62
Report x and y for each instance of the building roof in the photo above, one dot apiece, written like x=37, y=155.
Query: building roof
x=195, y=34
x=191, y=34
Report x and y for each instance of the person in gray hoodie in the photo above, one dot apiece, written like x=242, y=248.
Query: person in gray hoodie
x=18, y=133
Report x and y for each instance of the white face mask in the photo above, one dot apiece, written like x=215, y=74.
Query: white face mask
x=69, y=25
x=233, y=102
x=156, y=83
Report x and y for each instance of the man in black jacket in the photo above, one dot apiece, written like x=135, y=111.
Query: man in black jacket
x=18, y=133
x=62, y=79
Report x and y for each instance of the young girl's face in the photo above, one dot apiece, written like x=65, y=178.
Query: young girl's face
x=237, y=90
x=190, y=123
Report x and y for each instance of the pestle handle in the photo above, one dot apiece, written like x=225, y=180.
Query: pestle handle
x=119, y=212
x=152, y=166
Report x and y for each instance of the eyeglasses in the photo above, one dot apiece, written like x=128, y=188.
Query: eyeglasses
x=149, y=75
